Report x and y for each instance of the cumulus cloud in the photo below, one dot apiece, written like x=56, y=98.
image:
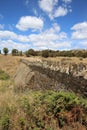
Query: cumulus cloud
x=80, y=26
x=49, y=35
x=52, y=8
x=80, y=31
x=52, y=38
x=13, y=36
x=10, y=44
x=29, y=22
x=47, y=5
x=61, y=11
x=52, y=45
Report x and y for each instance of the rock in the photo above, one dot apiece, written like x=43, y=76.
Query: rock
x=44, y=75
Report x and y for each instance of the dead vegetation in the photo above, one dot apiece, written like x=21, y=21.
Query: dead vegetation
x=35, y=110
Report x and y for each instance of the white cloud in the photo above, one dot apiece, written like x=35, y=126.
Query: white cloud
x=80, y=31
x=7, y=34
x=49, y=35
x=54, y=29
x=52, y=45
x=12, y=45
x=52, y=38
x=80, y=26
x=61, y=11
x=47, y=5
x=13, y=36
x=29, y=22
x=52, y=8
x=1, y=26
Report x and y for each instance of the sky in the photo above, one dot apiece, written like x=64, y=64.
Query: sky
x=43, y=24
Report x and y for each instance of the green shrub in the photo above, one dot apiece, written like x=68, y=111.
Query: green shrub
x=5, y=122
x=25, y=105
x=31, y=52
x=22, y=122
x=36, y=110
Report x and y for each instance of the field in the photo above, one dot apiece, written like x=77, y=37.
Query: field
x=35, y=110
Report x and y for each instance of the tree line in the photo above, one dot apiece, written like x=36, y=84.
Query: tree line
x=14, y=52
x=47, y=53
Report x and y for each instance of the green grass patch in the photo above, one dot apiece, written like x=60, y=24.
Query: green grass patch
x=4, y=75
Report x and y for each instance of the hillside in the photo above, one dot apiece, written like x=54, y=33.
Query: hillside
x=32, y=96
x=60, y=74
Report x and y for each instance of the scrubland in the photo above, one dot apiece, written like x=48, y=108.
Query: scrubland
x=37, y=110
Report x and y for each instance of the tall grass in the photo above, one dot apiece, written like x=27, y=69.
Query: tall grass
x=36, y=110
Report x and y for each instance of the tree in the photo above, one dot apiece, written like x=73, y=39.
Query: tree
x=31, y=52
x=14, y=52
x=5, y=51
x=45, y=53
x=0, y=51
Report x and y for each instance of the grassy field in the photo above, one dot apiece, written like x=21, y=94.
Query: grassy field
x=35, y=110
x=10, y=63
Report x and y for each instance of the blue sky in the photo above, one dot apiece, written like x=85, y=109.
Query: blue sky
x=43, y=24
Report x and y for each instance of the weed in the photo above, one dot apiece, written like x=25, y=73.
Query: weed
x=5, y=122
x=3, y=75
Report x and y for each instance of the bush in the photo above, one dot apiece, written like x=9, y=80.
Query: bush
x=31, y=52
x=36, y=110
x=45, y=53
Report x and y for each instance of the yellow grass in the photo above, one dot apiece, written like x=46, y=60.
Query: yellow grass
x=10, y=63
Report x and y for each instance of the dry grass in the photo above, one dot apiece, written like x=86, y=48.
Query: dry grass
x=26, y=109
x=9, y=64
x=16, y=105
x=68, y=59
